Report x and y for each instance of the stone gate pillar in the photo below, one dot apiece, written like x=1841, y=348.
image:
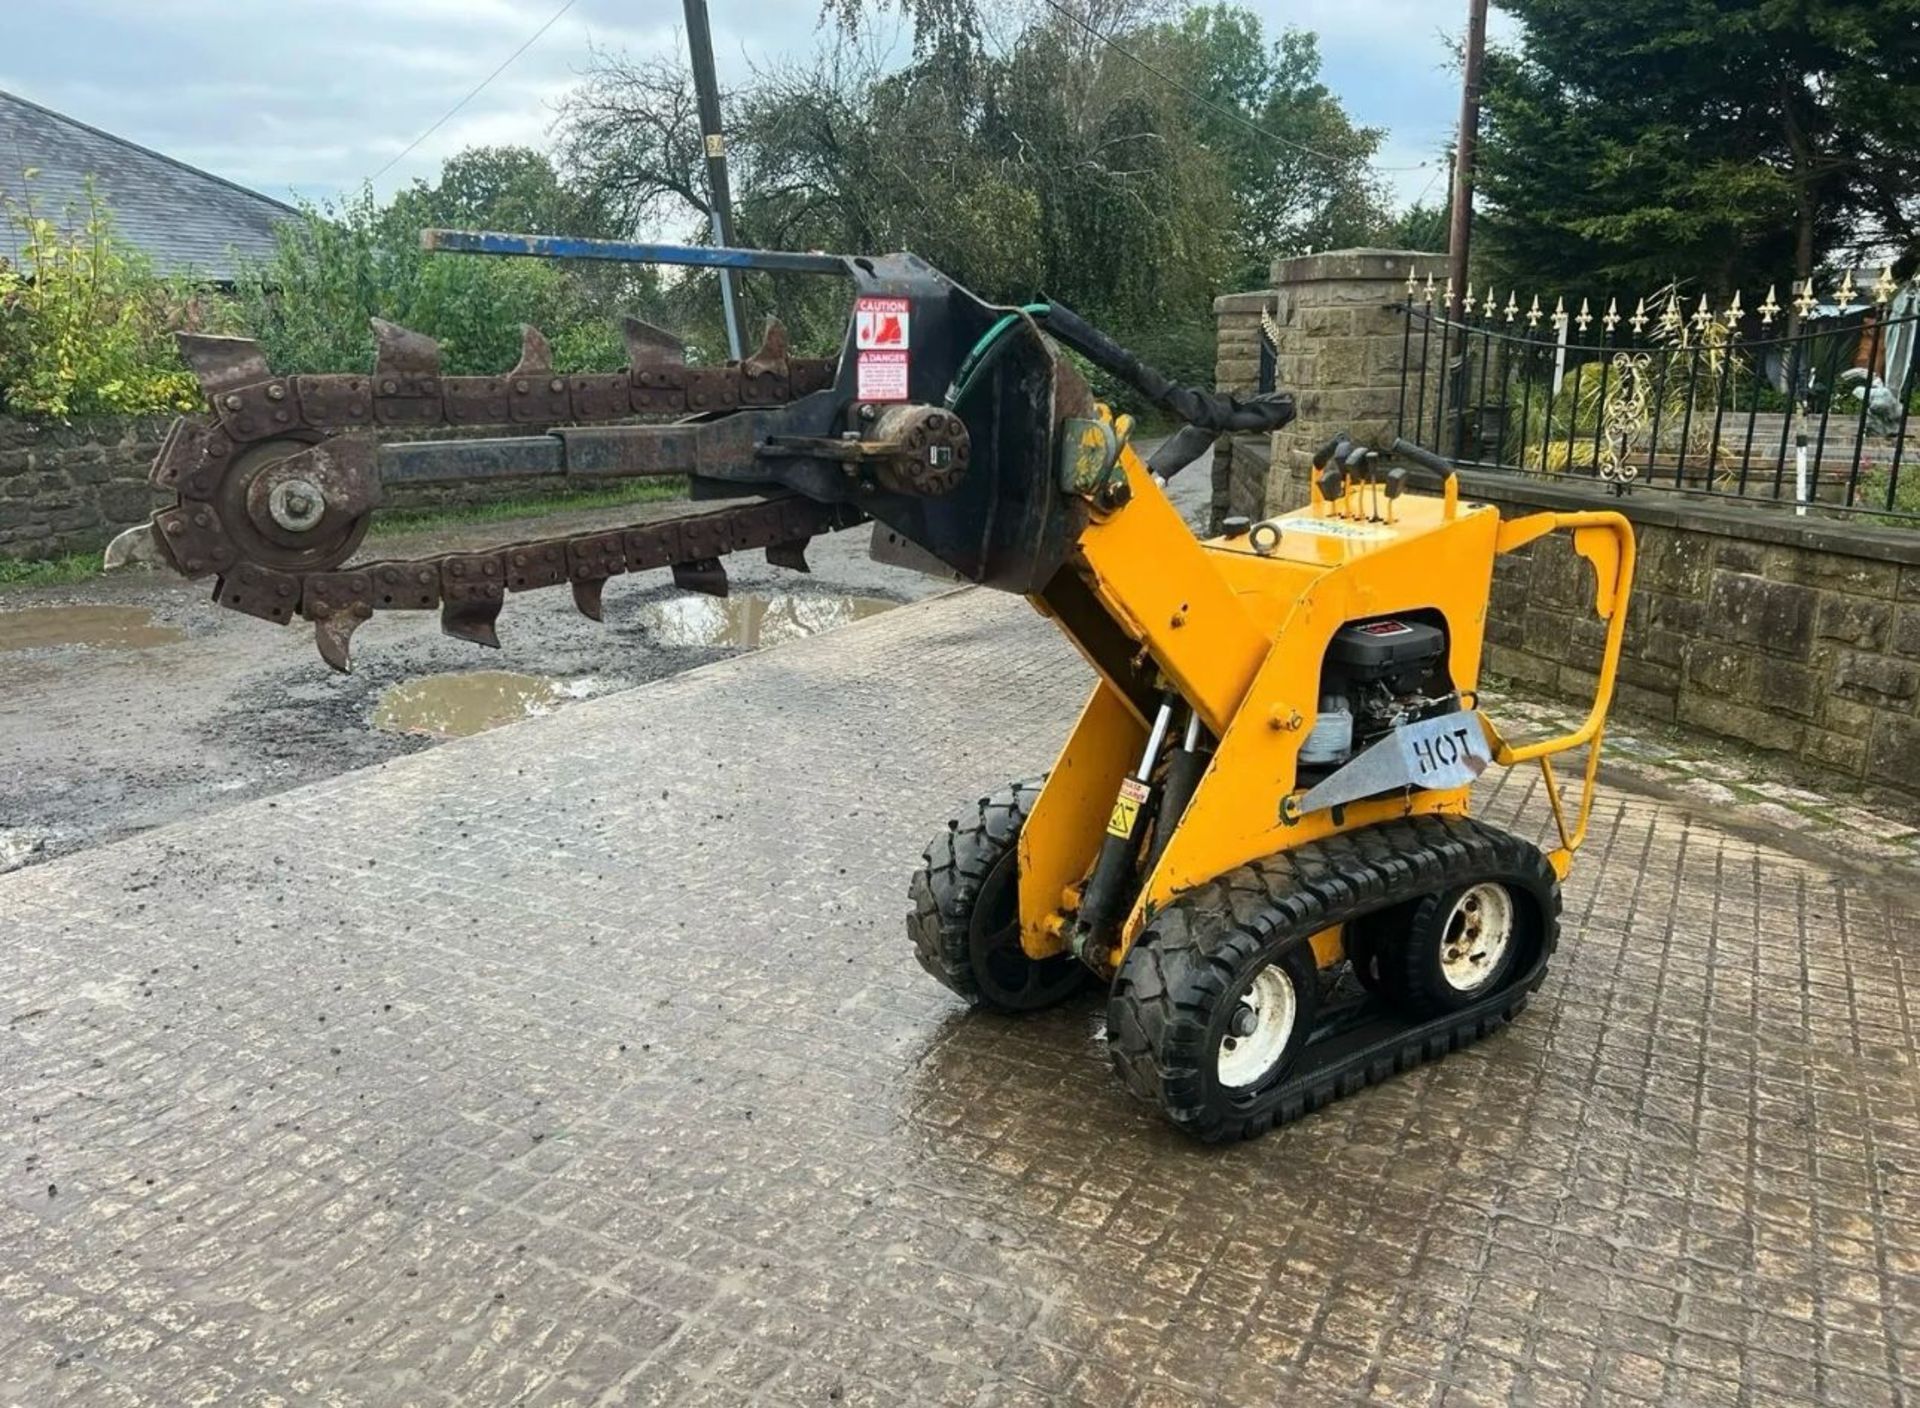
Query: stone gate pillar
x=1339, y=346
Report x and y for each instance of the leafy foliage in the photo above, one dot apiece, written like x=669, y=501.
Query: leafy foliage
x=1047, y=164
x=502, y=188
x=1131, y=158
x=86, y=326
x=336, y=267
x=1721, y=141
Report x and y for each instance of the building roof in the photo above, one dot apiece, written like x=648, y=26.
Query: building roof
x=187, y=221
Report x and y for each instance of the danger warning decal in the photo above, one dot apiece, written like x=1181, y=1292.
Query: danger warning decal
x=883, y=376
x=882, y=324
x=882, y=333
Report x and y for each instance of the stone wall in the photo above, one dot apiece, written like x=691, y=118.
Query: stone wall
x=1339, y=350
x=1799, y=635
x=1240, y=462
x=1796, y=635
x=70, y=488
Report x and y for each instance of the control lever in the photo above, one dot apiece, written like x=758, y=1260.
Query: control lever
x=1396, y=485
x=1426, y=459
x=1333, y=483
x=1334, y=449
x=1360, y=463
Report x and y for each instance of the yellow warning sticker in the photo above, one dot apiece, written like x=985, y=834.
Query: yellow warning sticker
x=1126, y=807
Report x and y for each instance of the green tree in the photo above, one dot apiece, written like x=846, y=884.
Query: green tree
x=1419, y=226
x=337, y=266
x=502, y=188
x=1105, y=157
x=1302, y=180
x=86, y=326
x=1723, y=142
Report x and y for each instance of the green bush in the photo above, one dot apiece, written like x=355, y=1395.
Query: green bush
x=335, y=267
x=86, y=326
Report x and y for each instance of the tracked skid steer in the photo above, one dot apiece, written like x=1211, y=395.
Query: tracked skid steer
x=1257, y=836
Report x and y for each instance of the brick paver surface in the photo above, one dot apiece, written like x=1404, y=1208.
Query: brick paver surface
x=586, y=1062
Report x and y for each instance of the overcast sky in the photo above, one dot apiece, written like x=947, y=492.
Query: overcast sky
x=310, y=97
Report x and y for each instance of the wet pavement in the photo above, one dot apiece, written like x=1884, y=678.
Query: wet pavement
x=461, y=705
x=84, y=627
x=131, y=701
x=754, y=619
x=585, y=1061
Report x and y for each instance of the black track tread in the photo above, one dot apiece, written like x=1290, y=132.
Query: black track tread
x=1188, y=956
x=952, y=868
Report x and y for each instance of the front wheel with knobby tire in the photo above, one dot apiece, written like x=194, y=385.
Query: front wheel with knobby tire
x=965, y=923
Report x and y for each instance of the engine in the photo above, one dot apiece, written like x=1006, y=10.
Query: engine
x=1379, y=673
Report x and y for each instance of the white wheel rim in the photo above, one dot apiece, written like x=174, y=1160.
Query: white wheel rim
x=1476, y=936
x=1270, y=1001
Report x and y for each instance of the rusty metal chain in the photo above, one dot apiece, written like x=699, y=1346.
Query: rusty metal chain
x=225, y=468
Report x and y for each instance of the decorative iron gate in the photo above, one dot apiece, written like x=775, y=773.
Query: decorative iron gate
x=1805, y=403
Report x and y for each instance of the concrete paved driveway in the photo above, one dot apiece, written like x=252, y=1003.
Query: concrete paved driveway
x=585, y=1062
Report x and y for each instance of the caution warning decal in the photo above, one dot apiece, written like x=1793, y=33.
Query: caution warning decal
x=1126, y=807
x=882, y=333
x=882, y=324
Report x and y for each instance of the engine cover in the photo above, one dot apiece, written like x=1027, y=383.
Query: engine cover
x=1390, y=649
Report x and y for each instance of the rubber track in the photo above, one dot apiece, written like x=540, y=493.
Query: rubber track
x=943, y=888
x=1187, y=957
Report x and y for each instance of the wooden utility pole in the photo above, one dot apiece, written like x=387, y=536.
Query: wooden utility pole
x=719, y=200
x=1460, y=225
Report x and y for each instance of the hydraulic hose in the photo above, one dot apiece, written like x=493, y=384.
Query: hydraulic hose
x=1218, y=411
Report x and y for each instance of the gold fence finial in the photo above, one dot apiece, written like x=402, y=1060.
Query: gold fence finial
x=1846, y=290
x=1413, y=279
x=1806, y=302
x=1701, y=317
x=1670, y=315
x=1585, y=320
x=1513, y=304
x=1449, y=295
x=1885, y=287
x=1639, y=318
x=1533, y=313
x=1466, y=304
x=1770, y=308
x=1734, y=313
x=1429, y=286
x=1612, y=320
x=1559, y=311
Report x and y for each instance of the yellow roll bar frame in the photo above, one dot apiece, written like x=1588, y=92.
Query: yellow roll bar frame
x=1605, y=539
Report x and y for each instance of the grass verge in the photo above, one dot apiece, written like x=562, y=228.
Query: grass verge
x=49, y=572
x=419, y=520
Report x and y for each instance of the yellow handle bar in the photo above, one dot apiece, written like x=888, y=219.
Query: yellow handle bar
x=1606, y=540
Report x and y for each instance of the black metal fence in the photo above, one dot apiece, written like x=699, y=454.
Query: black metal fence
x=1805, y=404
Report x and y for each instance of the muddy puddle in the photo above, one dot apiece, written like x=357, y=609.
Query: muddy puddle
x=97, y=627
x=458, y=705
x=750, y=620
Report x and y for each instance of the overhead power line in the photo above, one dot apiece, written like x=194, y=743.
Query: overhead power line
x=446, y=116
x=1207, y=102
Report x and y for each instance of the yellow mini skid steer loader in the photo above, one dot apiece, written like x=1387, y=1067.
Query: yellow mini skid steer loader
x=1257, y=835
